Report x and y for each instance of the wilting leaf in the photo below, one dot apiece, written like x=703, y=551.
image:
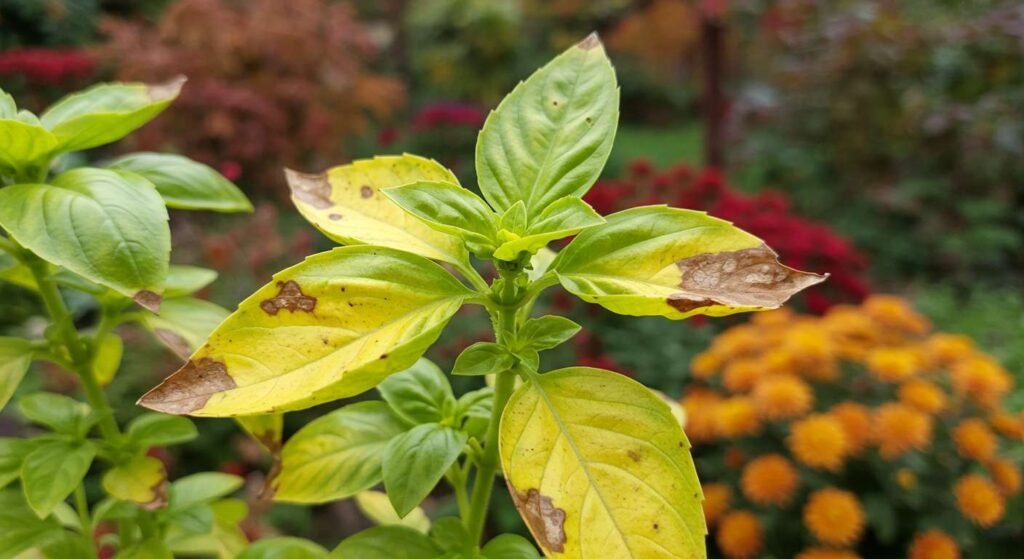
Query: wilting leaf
x=337, y=455
x=141, y=480
x=377, y=507
x=561, y=219
x=415, y=461
x=598, y=467
x=184, y=183
x=330, y=327
x=52, y=471
x=655, y=260
x=184, y=323
x=420, y=394
x=387, y=542
x=551, y=136
x=107, y=227
x=347, y=205
x=15, y=357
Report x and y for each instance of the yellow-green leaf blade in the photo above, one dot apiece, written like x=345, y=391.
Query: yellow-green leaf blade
x=661, y=261
x=347, y=205
x=141, y=480
x=599, y=467
x=15, y=358
x=330, y=327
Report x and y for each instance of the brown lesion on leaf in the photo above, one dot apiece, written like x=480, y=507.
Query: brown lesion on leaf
x=313, y=189
x=366, y=191
x=189, y=388
x=592, y=41
x=148, y=300
x=159, y=491
x=289, y=297
x=634, y=455
x=545, y=520
x=334, y=217
x=751, y=277
x=166, y=90
x=174, y=342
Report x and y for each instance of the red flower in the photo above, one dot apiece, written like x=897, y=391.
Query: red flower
x=46, y=66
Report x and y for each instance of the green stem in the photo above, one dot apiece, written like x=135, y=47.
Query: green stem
x=82, y=506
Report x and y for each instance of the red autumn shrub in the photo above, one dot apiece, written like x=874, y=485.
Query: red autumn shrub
x=42, y=66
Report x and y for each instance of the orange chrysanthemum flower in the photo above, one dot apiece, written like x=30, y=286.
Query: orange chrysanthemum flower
x=700, y=405
x=979, y=500
x=736, y=417
x=738, y=340
x=834, y=517
x=975, y=440
x=898, y=428
x=1006, y=475
x=705, y=365
x=734, y=457
x=827, y=553
x=851, y=331
x=856, y=422
x=893, y=364
x=1008, y=425
x=770, y=480
x=895, y=312
x=812, y=352
x=981, y=379
x=739, y=535
x=783, y=397
x=944, y=349
x=819, y=442
x=778, y=361
x=923, y=395
x=934, y=544
x=775, y=317
x=717, y=497
x=742, y=375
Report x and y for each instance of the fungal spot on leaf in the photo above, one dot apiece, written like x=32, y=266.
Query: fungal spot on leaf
x=189, y=388
x=174, y=341
x=314, y=190
x=290, y=298
x=751, y=277
x=366, y=191
x=334, y=217
x=546, y=522
x=634, y=455
x=148, y=300
x=590, y=42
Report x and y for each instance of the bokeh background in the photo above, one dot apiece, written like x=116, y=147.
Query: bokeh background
x=880, y=141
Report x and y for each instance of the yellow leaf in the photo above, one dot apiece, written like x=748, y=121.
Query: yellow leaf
x=600, y=469
x=347, y=205
x=330, y=327
x=377, y=507
x=141, y=480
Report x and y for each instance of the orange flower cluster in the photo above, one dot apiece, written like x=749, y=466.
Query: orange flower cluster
x=788, y=404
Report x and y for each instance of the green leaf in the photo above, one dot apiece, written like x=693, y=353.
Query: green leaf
x=107, y=227
x=12, y=455
x=186, y=280
x=376, y=506
x=483, y=358
x=153, y=429
x=420, y=394
x=222, y=539
x=598, y=467
x=387, y=542
x=267, y=429
x=449, y=208
x=415, y=461
x=201, y=488
x=15, y=357
x=106, y=358
x=515, y=219
x=346, y=204
x=546, y=332
x=185, y=184
x=106, y=113
x=8, y=108
x=551, y=136
x=141, y=480
x=52, y=471
x=660, y=261
x=284, y=548
x=24, y=147
x=449, y=533
x=58, y=412
x=152, y=548
x=20, y=529
x=184, y=323
x=476, y=403
x=13, y=271
x=561, y=219
x=337, y=455
x=330, y=327
x=510, y=546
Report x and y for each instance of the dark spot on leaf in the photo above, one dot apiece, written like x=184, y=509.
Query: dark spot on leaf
x=314, y=190
x=366, y=191
x=655, y=526
x=174, y=342
x=383, y=356
x=546, y=522
x=189, y=388
x=634, y=455
x=289, y=297
x=148, y=300
x=555, y=103
x=590, y=42
x=751, y=277
x=334, y=217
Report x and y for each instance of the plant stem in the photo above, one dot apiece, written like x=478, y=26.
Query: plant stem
x=82, y=506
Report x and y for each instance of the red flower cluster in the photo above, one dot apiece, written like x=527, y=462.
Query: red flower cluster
x=801, y=243
x=46, y=66
x=448, y=114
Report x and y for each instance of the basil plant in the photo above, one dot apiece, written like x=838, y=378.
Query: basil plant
x=96, y=239
x=596, y=463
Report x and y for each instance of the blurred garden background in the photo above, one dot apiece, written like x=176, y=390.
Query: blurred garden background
x=879, y=141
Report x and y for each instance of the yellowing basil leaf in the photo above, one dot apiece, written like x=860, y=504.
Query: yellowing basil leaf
x=337, y=455
x=376, y=506
x=52, y=471
x=15, y=357
x=598, y=467
x=108, y=227
x=24, y=147
x=660, y=261
x=330, y=327
x=551, y=136
x=416, y=460
x=107, y=358
x=184, y=183
x=267, y=429
x=449, y=208
x=107, y=112
x=184, y=323
x=561, y=219
x=346, y=204
x=141, y=480
x=387, y=542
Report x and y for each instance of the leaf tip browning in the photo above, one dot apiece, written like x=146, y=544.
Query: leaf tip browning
x=166, y=90
x=591, y=42
x=189, y=388
x=148, y=300
x=310, y=188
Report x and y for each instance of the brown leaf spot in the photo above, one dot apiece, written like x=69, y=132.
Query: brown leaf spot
x=546, y=522
x=314, y=190
x=751, y=277
x=174, y=342
x=189, y=388
x=289, y=297
x=592, y=41
x=334, y=217
x=159, y=499
x=148, y=300
x=366, y=191
x=634, y=455
x=167, y=90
